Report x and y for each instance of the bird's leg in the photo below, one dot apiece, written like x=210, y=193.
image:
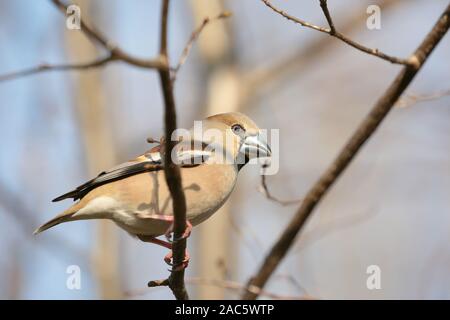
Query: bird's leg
x=168, y=256
x=154, y=240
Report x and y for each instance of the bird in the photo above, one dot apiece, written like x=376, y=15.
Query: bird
x=135, y=195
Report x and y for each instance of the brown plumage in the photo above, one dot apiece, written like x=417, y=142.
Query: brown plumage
x=135, y=196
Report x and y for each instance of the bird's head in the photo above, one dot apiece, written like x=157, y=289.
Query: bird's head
x=237, y=134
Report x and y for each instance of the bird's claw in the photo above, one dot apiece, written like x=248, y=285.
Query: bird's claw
x=185, y=235
x=179, y=266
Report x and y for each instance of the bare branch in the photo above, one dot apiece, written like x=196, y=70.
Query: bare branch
x=411, y=99
x=357, y=140
x=294, y=19
x=226, y=284
x=171, y=170
x=115, y=51
x=258, y=80
x=158, y=283
x=195, y=34
x=268, y=195
x=334, y=33
x=89, y=31
x=326, y=12
x=114, y=54
x=57, y=67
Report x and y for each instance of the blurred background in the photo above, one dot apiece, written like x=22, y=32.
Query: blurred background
x=391, y=208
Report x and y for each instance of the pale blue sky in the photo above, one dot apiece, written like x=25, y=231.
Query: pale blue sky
x=401, y=181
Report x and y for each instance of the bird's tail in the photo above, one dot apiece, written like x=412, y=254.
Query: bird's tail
x=65, y=216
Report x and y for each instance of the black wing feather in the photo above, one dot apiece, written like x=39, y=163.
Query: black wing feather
x=106, y=177
x=126, y=170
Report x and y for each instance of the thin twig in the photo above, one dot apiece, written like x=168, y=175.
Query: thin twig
x=334, y=33
x=226, y=284
x=326, y=12
x=113, y=49
x=57, y=67
x=293, y=282
x=89, y=31
x=158, y=283
x=258, y=80
x=114, y=54
x=195, y=34
x=171, y=170
x=349, y=151
x=265, y=190
x=411, y=99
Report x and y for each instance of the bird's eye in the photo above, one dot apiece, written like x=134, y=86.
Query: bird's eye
x=237, y=129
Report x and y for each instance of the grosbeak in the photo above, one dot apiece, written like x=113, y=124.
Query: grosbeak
x=135, y=195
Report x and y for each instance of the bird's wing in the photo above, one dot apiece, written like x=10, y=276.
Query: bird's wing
x=147, y=162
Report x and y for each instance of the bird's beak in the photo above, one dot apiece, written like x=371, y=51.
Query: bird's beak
x=255, y=147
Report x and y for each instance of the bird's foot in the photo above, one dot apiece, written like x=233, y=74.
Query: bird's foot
x=177, y=267
x=185, y=235
x=169, y=257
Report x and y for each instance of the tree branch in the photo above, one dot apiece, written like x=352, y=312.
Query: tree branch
x=195, y=34
x=326, y=12
x=258, y=80
x=360, y=136
x=268, y=194
x=411, y=99
x=114, y=54
x=226, y=284
x=47, y=67
x=171, y=170
x=334, y=33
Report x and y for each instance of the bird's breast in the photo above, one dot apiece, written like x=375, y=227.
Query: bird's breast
x=145, y=204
